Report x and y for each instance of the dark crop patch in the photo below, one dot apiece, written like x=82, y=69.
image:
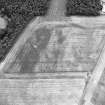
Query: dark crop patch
x=42, y=37
x=83, y=7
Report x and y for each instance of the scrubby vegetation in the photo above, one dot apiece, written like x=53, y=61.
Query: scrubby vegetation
x=83, y=7
x=20, y=12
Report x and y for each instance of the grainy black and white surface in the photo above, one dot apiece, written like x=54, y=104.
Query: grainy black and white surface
x=57, y=60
